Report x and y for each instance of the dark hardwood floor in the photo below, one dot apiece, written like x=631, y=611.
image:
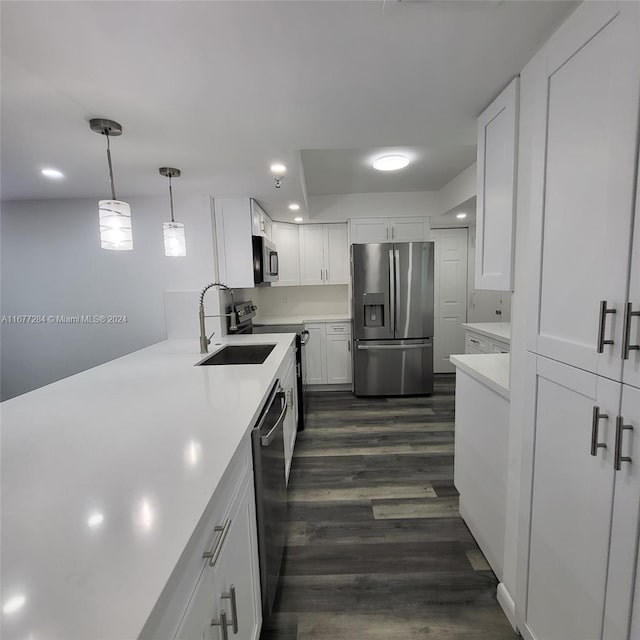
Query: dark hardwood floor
x=376, y=548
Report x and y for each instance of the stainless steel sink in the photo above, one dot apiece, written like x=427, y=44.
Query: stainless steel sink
x=240, y=354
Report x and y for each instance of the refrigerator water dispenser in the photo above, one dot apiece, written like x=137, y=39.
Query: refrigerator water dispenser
x=373, y=309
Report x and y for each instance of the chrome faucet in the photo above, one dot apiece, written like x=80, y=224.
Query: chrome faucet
x=204, y=340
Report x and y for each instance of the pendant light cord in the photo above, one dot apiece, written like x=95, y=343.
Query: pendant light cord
x=171, y=197
x=111, y=182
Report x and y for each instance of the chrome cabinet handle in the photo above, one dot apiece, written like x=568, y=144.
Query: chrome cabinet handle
x=349, y=345
x=321, y=278
x=626, y=331
x=214, y=553
x=474, y=341
x=231, y=595
x=393, y=232
x=595, y=423
x=223, y=624
x=618, y=457
x=602, y=325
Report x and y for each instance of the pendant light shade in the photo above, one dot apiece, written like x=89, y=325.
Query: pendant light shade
x=115, y=215
x=175, y=242
x=115, y=225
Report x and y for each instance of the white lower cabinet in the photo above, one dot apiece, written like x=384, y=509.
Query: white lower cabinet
x=228, y=591
x=290, y=426
x=478, y=343
x=583, y=516
x=328, y=353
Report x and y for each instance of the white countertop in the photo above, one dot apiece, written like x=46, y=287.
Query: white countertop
x=492, y=369
x=345, y=317
x=498, y=330
x=104, y=477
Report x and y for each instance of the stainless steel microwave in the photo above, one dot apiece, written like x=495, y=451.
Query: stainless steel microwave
x=265, y=261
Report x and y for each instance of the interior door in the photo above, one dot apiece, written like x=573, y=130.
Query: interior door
x=624, y=527
x=413, y=290
x=572, y=498
x=449, y=296
x=587, y=112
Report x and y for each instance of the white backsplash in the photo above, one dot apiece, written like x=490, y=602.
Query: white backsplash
x=298, y=301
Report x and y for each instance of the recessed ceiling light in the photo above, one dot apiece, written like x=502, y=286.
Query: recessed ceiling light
x=297, y=219
x=52, y=173
x=13, y=604
x=95, y=519
x=278, y=168
x=391, y=162
x=461, y=216
x=294, y=206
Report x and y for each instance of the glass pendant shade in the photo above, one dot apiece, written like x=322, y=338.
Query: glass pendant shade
x=175, y=244
x=115, y=225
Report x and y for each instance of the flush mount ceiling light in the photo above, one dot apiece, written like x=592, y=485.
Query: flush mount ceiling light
x=54, y=174
x=461, y=216
x=115, y=215
x=297, y=219
x=175, y=244
x=294, y=206
x=278, y=168
x=390, y=162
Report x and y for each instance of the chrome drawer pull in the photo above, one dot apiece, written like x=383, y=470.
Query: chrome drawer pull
x=626, y=331
x=602, y=325
x=595, y=422
x=234, y=607
x=619, y=458
x=214, y=554
x=223, y=624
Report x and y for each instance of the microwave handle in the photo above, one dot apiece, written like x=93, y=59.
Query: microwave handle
x=273, y=263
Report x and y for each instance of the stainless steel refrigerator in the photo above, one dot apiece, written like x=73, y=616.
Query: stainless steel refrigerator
x=393, y=318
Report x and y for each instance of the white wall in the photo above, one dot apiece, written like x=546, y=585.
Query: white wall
x=463, y=187
x=52, y=264
x=339, y=208
x=276, y=302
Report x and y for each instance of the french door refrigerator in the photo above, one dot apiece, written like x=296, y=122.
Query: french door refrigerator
x=393, y=318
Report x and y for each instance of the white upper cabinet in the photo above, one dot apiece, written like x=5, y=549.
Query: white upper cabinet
x=497, y=136
x=285, y=237
x=631, y=312
x=261, y=222
x=323, y=254
x=372, y=230
x=584, y=101
x=234, y=230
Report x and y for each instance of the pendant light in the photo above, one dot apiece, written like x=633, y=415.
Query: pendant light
x=175, y=244
x=115, y=215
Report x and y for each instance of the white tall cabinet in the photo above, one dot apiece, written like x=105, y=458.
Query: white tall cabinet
x=580, y=490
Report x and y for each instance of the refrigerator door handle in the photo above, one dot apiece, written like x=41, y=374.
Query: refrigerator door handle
x=392, y=292
x=396, y=302
x=371, y=347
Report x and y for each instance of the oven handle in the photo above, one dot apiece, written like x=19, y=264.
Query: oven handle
x=265, y=441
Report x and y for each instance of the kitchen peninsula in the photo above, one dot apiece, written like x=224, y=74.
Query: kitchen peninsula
x=111, y=475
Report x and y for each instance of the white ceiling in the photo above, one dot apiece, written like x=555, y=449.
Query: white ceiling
x=333, y=171
x=222, y=89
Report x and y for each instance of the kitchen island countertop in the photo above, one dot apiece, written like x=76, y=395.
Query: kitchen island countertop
x=105, y=475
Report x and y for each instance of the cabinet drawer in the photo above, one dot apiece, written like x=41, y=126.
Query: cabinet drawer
x=469, y=349
x=173, y=601
x=499, y=347
x=338, y=328
x=477, y=342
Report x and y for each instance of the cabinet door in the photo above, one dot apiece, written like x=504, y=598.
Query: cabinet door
x=572, y=496
x=631, y=372
x=338, y=359
x=624, y=528
x=497, y=135
x=285, y=237
x=583, y=179
x=365, y=230
x=336, y=254
x=315, y=355
x=409, y=229
x=236, y=565
x=311, y=254
x=256, y=219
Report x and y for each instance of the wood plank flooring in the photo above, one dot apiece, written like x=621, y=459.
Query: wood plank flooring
x=376, y=548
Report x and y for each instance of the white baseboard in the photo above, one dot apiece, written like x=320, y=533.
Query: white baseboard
x=508, y=605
